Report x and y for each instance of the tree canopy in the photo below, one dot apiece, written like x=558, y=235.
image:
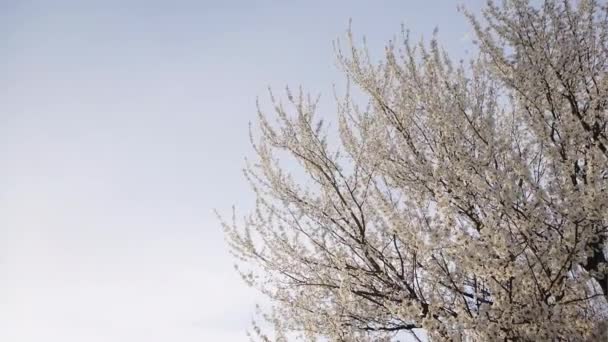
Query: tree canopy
x=467, y=199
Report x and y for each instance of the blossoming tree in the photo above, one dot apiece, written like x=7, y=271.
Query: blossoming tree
x=468, y=200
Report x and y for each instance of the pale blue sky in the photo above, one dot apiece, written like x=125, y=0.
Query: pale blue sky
x=122, y=125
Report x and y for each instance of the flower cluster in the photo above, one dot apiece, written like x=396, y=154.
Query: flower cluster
x=466, y=201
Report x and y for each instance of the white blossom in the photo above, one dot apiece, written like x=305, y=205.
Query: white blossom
x=465, y=200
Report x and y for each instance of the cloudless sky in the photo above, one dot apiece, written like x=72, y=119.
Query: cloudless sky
x=123, y=124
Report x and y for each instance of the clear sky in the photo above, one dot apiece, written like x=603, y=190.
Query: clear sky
x=123, y=124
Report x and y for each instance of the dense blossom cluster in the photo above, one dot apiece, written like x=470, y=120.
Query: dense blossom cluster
x=466, y=200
